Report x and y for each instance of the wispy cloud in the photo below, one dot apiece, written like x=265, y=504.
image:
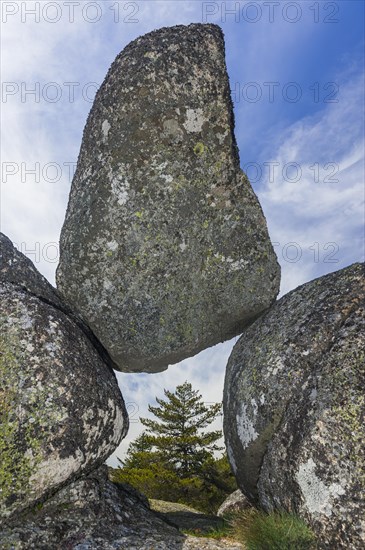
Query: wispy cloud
x=318, y=203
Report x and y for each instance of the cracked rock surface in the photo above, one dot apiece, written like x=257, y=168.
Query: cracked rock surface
x=165, y=249
x=96, y=514
x=61, y=410
x=294, y=407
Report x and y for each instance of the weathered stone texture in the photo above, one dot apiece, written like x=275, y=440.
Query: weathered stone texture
x=95, y=514
x=61, y=411
x=17, y=269
x=165, y=249
x=294, y=407
x=234, y=504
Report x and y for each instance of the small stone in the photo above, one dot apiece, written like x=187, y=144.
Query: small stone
x=234, y=504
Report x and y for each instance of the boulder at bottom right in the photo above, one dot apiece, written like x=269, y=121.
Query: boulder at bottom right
x=294, y=408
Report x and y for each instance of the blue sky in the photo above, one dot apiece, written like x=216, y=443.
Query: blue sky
x=297, y=74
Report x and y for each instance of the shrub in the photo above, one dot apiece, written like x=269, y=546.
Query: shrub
x=154, y=482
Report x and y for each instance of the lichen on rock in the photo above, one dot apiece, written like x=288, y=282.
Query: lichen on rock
x=16, y=466
x=294, y=407
x=61, y=411
x=96, y=514
x=165, y=250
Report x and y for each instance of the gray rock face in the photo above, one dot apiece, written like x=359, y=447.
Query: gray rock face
x=61, y=411
x=17, y=269
x=165, y=249
x=234, y=503
x=95, y=514
x=294, y=407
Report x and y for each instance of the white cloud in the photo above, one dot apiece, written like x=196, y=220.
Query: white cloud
x=326, y=204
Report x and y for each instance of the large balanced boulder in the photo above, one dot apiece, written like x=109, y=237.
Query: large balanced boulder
x=294, y=407
x=165, y=249
x=61, y=411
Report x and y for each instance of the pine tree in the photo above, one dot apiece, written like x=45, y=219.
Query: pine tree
x=174, y=458
x=140, y=453
x=178, y=433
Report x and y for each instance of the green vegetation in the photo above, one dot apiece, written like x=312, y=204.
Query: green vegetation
x=257, y=530
x=220, y=532
x=174, y=458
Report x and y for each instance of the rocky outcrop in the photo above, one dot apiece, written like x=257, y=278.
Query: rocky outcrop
x=17, y=269
x=234, y=504
x=97, y=514
x=165, y=249
x=294, y=407
x=61, y=411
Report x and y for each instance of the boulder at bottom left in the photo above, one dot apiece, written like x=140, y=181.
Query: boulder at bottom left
x=61, y=411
